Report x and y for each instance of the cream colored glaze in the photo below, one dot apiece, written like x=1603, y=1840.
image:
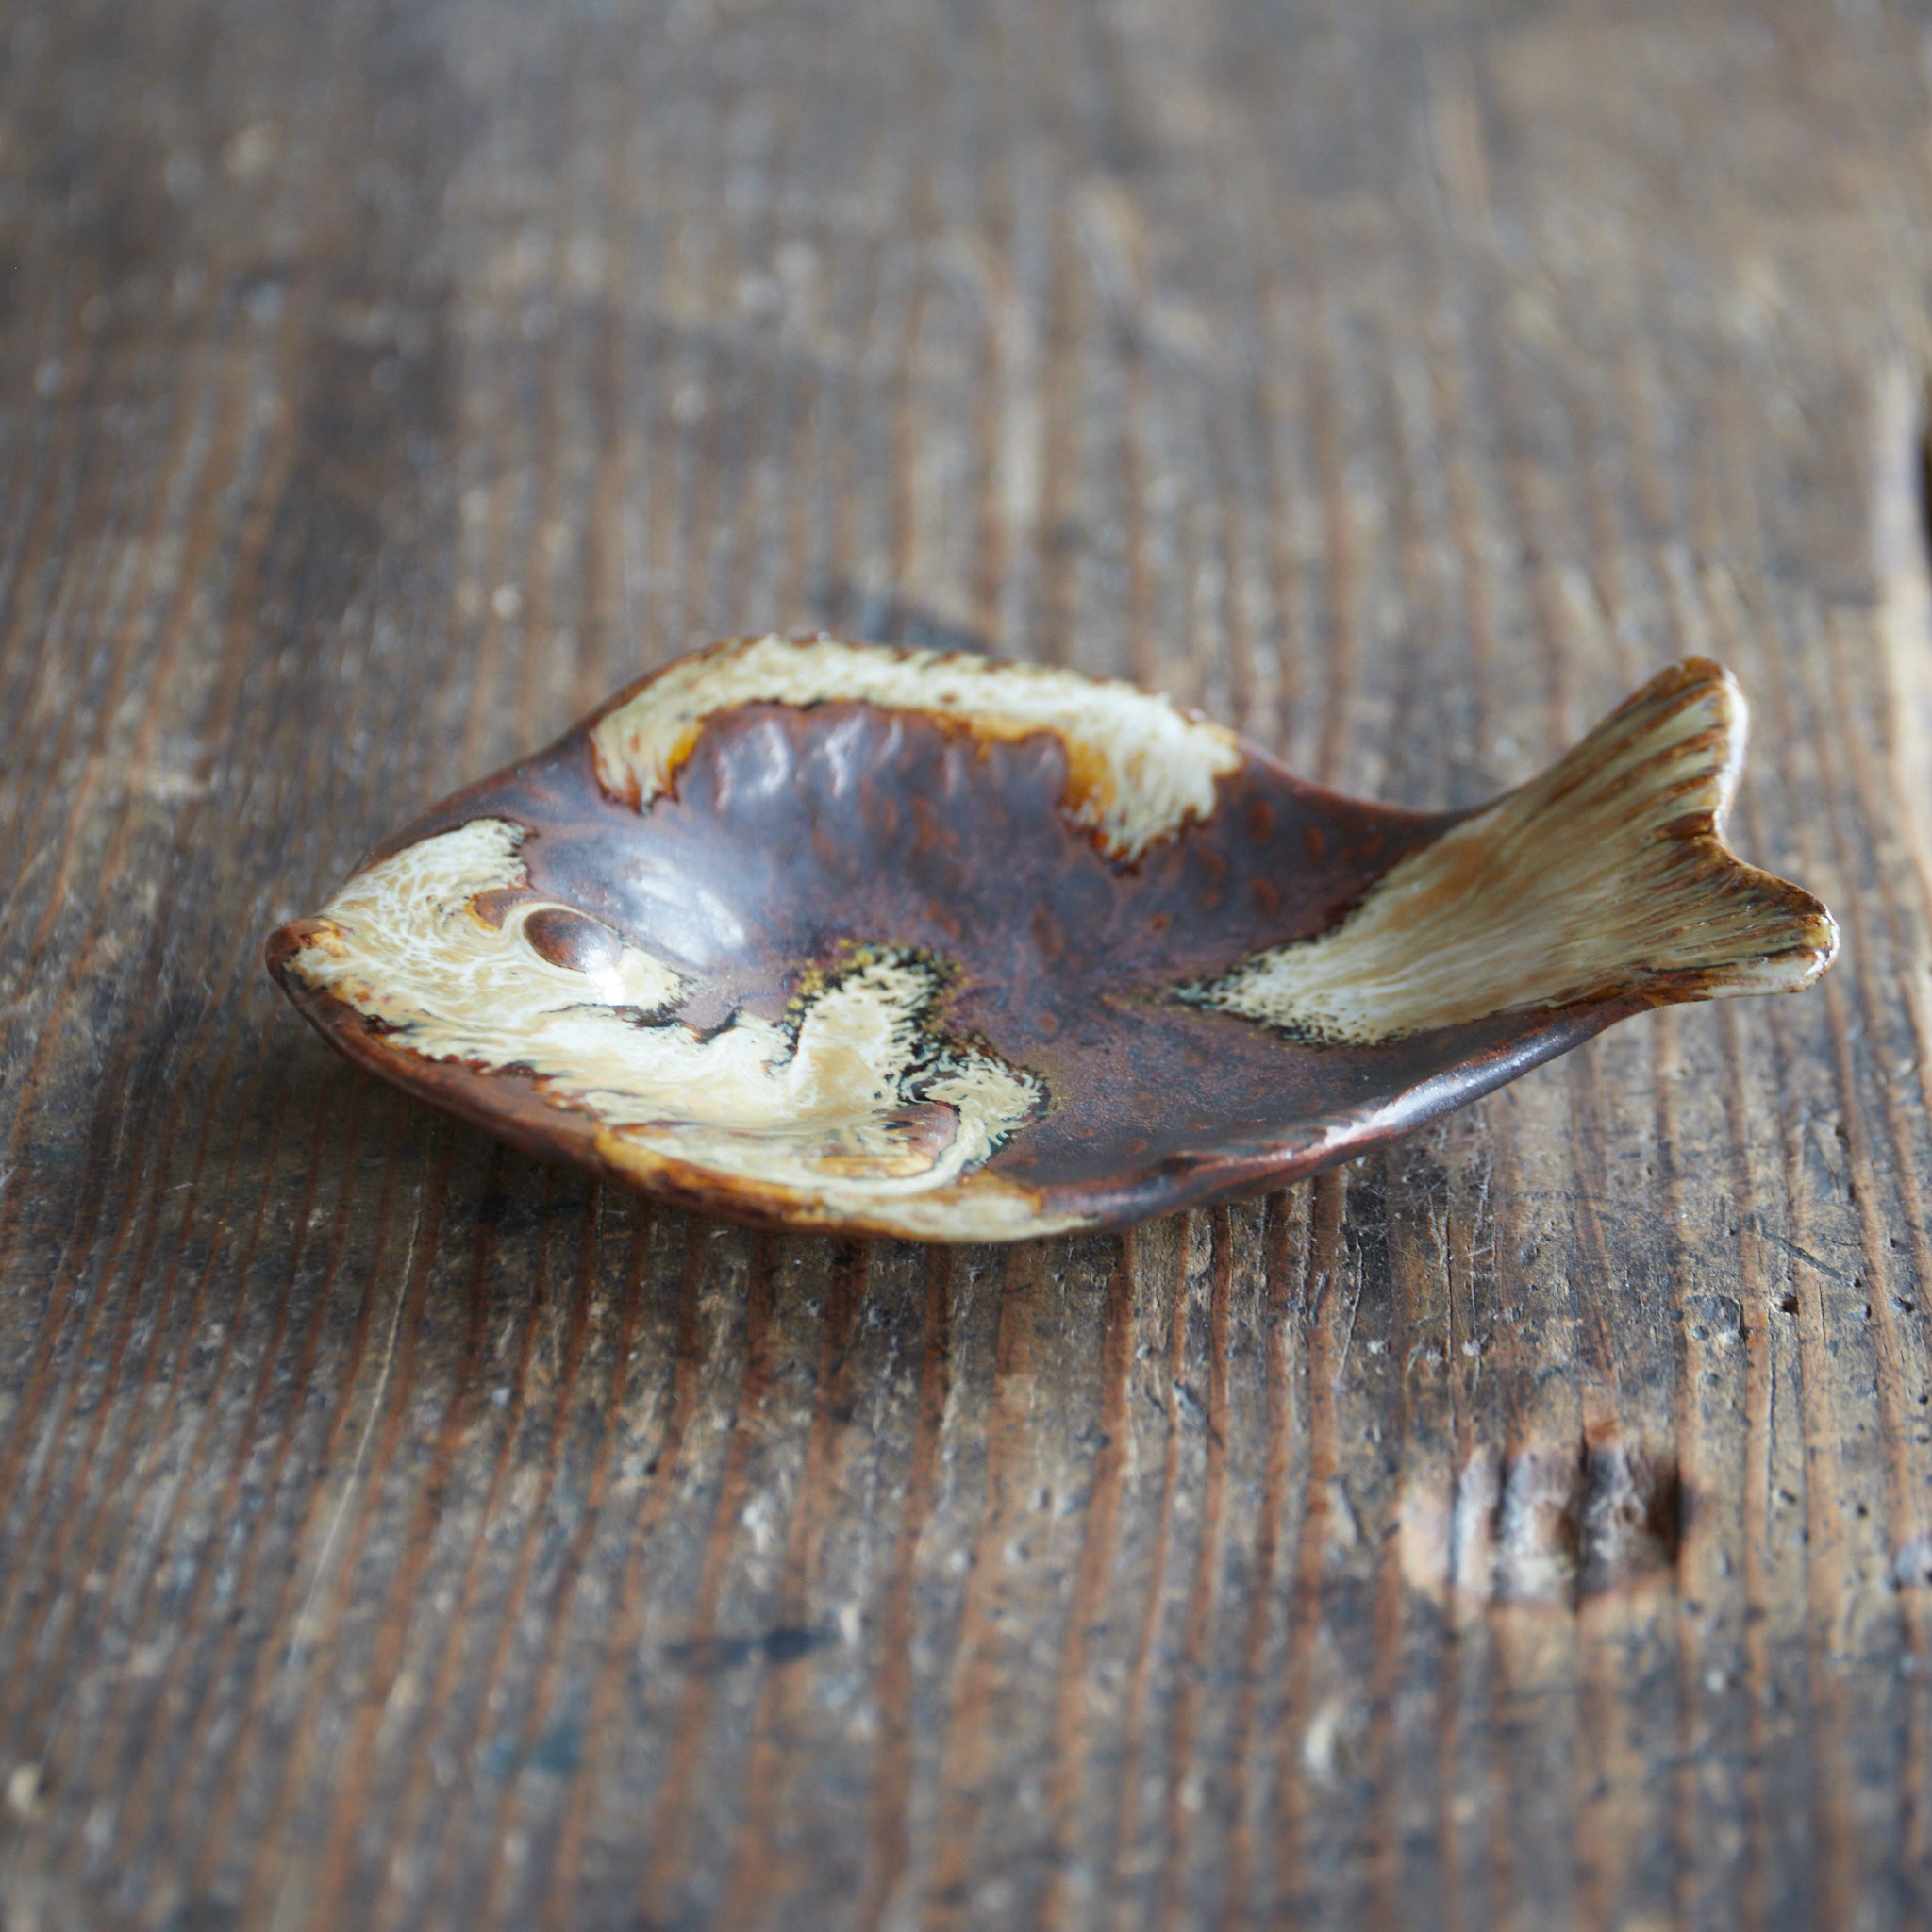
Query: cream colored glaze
x=1137, y=767
x=855, y=1101
x=1606, y=873
x=981, y=1206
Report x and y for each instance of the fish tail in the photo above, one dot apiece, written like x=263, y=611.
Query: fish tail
x=1607, y=876
x=1624, y=840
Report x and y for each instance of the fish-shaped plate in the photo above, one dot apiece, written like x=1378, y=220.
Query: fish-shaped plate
x=832, y=936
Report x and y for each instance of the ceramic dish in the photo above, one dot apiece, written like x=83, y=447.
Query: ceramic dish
x=823, y=935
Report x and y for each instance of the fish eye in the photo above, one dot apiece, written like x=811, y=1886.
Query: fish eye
x=573, y=940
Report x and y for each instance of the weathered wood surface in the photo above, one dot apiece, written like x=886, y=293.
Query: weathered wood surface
x=1530, y=1527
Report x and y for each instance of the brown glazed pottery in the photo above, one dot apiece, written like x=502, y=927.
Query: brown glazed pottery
x=829, y=935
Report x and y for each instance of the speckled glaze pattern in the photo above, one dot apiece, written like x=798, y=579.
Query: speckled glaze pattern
x=833, y=936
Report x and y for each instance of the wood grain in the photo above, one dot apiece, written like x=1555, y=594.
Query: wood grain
x=1529, y=1526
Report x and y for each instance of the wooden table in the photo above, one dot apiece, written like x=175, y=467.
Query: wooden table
x=1527, y=1527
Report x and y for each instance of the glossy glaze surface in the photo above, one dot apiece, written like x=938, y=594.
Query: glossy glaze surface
x=828, y=935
